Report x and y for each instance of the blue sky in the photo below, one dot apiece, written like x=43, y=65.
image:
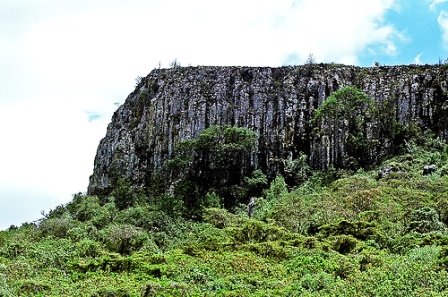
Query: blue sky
x=419, y=36
x=65, y=64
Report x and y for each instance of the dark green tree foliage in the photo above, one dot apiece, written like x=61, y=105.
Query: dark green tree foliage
x=345, y=115
x=216, y=160
x=125, y=195
x=366, y=130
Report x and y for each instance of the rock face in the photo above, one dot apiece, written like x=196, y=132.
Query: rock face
x=171, y=105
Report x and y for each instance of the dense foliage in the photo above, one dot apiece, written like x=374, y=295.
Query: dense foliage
x=216, y=161
x=361, y=234
x=365, y=130
x=341, y=232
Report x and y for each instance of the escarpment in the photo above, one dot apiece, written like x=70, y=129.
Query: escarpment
x=172, y=105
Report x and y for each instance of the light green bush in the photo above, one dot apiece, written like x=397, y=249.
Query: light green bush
x=124, y=239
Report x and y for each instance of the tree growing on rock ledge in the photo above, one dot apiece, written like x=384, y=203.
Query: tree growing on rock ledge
x=218, y=160
x=351, y=129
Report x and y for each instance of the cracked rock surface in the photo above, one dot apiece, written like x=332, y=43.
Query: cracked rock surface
x=171, y=105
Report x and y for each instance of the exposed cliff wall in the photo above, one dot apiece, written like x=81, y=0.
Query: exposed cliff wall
x=171, y=105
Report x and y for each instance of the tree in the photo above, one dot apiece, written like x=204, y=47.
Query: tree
x=310, y=60
x=217, y=160
x=347, y=118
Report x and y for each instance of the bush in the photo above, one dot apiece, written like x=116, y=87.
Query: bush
x=277, y=189
x=218, y=160
x=346, y=112
x=424, y=220
x=14, y=249
x=269, y=249
x=442, y=207
x=5, y=290
x=139, y=216
x=256, y=183
x=111, y=293
x=124, y=239
x=253, y=231
x=30, y=288
x=88, y=248
x=57, y=227
x=211, y=199
x=220, y=218
x=358, y=229
x=150, y=290
x=344, y=244
x=206, y=237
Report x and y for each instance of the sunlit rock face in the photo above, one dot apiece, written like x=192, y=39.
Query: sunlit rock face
x=171, y=105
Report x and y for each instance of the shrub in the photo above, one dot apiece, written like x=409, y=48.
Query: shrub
x=218, y=217
x=57, y=227
x=125, y=195
x=139, y=216
x=14, y=249
x=269, y=249
x=424, y=220
x=253, y=231
x=150, y=290
x=5, y=290
x=277, y=189
x=442, y=207
x=84, y=208
x=358, y=229
x=346, y=112
x=211, y=199
x=216, y=160
x=298, y=170
x=344, y=244
x=206, y=237
x=256, y=183
x=124, y=239
x=111, y=293
x=30, y=288
x=88, y=248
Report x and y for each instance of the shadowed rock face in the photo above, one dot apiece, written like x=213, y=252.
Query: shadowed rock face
x=171, y=105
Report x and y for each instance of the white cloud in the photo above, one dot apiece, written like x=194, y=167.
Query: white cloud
x=337, y=30
x=418, y=59
x=443, y=23
x=64, y=62
x=435, y=3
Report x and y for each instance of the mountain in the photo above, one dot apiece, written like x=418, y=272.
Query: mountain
x=319, y=180
x=170, y=106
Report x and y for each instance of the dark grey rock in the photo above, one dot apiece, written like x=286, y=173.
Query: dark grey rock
x=429, y=169
x=171, y=105
x=388, y=170
x=385, y=172
x=251, y=207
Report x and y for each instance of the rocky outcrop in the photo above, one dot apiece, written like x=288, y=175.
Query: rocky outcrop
x=171, y=105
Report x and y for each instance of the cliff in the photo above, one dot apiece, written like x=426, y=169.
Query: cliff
x=171, y=105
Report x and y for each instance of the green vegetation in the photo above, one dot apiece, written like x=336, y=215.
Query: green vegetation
x=365, y=130
x=216, y=161
x=358, y=235
x=374, y=231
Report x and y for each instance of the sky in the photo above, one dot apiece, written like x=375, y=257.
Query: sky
x=65, y=66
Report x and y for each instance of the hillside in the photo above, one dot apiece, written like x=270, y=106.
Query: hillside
x=339, y=234
x=316, y=180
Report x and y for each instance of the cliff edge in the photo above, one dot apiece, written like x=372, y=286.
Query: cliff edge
x=172, y=105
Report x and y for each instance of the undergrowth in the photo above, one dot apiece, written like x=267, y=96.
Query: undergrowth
x=359, y=235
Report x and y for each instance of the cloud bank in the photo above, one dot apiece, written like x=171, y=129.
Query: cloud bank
x=63, y=65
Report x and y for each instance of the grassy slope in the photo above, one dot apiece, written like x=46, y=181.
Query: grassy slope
x=356, y=236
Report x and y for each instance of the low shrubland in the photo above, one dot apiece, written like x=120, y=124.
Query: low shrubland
x=357, y=234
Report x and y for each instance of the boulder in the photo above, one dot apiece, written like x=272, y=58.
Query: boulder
x=429, y=169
